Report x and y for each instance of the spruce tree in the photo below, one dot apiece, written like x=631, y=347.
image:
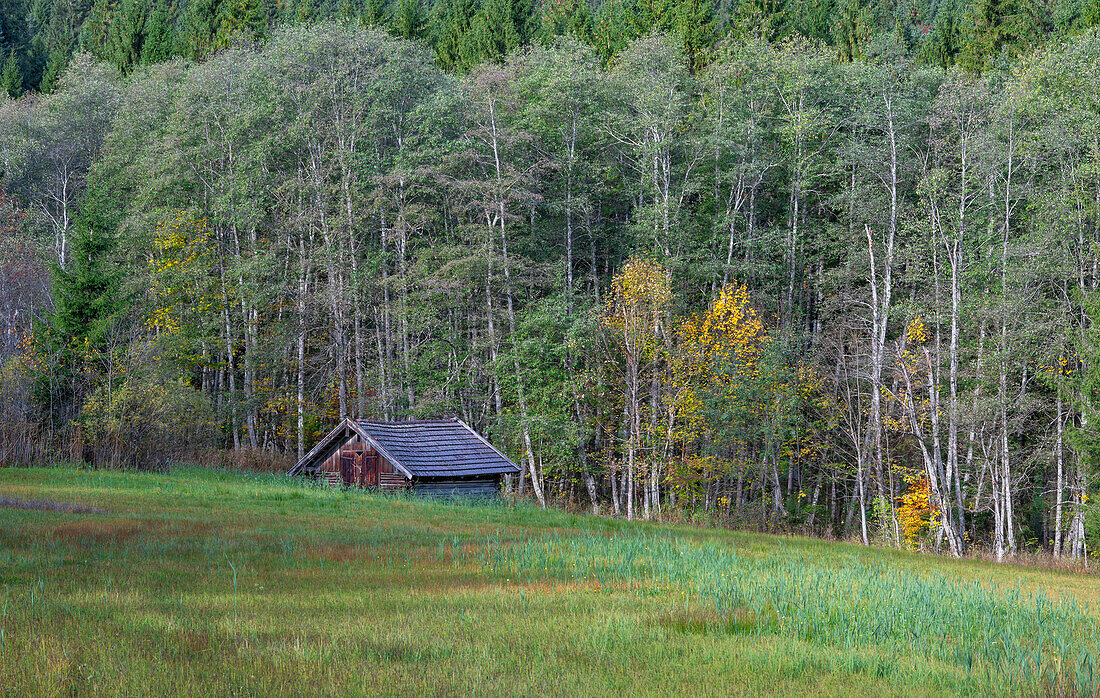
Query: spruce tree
x=451, y=22
x=1089, y=13
x=158, y=35
x=87, y=302
x=1013, y=26
x=409, y=20
x=126, y=34
x=239, y=18
x=493, y=33
x=11, y=80
x=580, y=22
x=1084, y=391
x=56, y=63
x=304, y=12
x=374, y=13
x=695, y=28
x=942, y=45
x=201, y=28
x=94, y=31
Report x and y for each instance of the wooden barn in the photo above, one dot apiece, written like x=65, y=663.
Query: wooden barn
x=444, y=458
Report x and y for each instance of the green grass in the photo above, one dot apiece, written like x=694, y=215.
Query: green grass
x=213, y=583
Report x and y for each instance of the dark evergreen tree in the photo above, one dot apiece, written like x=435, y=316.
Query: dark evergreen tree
x=94, y=33
x=302, y=11
x=813, y=18
x=373, y=13
x=87, y=302
x=56, y=62
x=409, y=20
x=126, y=34
x=11, y=79
x=500, y=27
x=239, y=19
x=1066, y=15
x=1013, y=26
x=158, y=34
x=200, y=33
x=945, y=39
x=1089, y=13
x=849, y=29
x=56, y=29
x=450, y=23
x=695, y=26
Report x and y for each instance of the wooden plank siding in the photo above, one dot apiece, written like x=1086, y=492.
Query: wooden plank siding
x=487, y=487
x=331, y=473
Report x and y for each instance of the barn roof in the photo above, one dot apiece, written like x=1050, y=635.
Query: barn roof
x=431, y=448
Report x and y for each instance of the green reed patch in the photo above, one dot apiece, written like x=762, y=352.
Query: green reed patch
x=1001, y=637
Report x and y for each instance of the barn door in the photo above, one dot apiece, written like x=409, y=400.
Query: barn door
x=370, y=470
x=347, y=468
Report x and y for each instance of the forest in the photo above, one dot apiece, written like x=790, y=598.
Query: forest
x=826, y=268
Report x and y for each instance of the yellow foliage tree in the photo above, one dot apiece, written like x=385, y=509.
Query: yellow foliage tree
x=182, y=286
x=718, y=355
x=916, y=511
x=717, y=350
x=634, y=321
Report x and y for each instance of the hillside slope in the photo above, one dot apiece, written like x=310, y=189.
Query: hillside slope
x=207, y=583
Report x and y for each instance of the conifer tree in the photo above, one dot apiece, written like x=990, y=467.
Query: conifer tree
x=94, y=37
x=499, y=28
x=303, y=12
x=409, y=20
x=1016, y=26
x=1084, y=392
x=11, y=80
x=56, y=62
x=943, y=42
x=201, y=28
x=373, y=13
x=158, y=35
x=239, y=18
x=849, y=30
x=1089, y=13
x=450, y=24
x=88, y=301
x=126, y=34
x=695, y=26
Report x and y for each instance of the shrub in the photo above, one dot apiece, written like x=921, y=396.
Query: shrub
x=147, y=419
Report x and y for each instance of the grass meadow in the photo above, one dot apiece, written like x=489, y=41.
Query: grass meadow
x=216, y=583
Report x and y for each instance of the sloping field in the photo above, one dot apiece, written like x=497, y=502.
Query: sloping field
x=207, y=583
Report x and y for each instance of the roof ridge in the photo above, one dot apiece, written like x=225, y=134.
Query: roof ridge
x=448, y=420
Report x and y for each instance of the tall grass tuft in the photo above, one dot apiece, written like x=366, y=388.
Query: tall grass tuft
x=1004, y=637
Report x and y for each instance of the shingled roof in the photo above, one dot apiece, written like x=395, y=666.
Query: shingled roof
x=429, y=448
x=437, y=448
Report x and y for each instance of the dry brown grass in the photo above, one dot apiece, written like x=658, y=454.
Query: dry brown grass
x=1040, y=559
x=249, y=460
x=102, y=532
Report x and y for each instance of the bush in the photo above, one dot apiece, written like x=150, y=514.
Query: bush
x=146, y=420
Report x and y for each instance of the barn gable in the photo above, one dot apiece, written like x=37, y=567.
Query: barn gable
x=434, y=457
